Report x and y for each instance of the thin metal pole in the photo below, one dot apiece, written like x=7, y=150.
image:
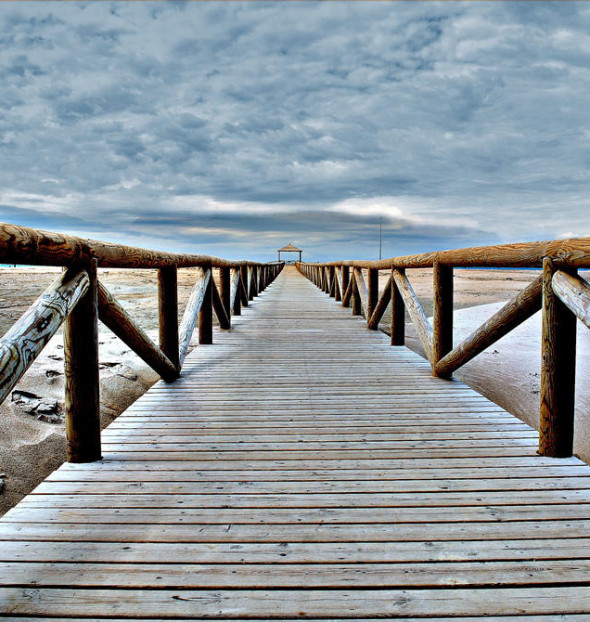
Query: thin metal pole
x=380, y=235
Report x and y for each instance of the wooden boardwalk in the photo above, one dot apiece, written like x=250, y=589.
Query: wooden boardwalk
x=303, y=467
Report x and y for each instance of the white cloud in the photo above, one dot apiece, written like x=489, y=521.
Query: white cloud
x=467, y=116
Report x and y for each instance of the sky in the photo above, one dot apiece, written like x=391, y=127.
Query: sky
x=234, y=128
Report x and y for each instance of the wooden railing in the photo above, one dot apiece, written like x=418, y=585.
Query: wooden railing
x=558, y=290
x=78, y=300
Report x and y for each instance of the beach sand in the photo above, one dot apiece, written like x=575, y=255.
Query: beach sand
x=32, y=434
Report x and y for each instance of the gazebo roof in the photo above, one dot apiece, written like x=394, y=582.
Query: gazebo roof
x=289, y=248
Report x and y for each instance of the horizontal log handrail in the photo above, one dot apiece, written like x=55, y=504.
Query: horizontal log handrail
x=78, y=300
x=24, y=245
x=561, y=293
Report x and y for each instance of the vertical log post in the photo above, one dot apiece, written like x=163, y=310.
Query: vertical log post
x=332, y=286
x=254, y=282
x=442, y=337
x=372, y=293
x=345, y=281
x=206, y=314
x=398, y=315
x=558, y=371
x=237, y=310
x=338, y=293
x=357, y=305
x=82, y=399
x=168, y=313
x=244, y=285
x=225, y=290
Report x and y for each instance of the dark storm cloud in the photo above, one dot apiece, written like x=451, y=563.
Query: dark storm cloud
x=457, y=123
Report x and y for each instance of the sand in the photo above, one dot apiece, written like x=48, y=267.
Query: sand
x=32, y=434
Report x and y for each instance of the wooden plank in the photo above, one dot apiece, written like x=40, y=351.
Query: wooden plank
x=293, y=604
x=184, y=575
x=424, y=551
x=264, y=475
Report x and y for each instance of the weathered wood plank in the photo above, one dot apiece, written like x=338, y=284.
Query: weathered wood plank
x=295, y=604
x=265, y=475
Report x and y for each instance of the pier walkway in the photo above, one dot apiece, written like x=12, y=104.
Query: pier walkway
x=304, y=468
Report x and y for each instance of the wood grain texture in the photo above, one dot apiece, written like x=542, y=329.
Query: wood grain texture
x=168, y=313
x=25, y=245
x=192, y=311
x=442, y=321
x=417, y=315
x=511, y=315
x=82, y=400
x=558, y=372
x=574, y=292
x=264, y=484
x=574, y=253
x=23, y=342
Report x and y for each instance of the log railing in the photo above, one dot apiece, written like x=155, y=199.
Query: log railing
x=78, y=300
x=559, y=291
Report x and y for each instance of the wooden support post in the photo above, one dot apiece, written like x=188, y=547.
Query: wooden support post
x=225, y=292
x=442, y=329
x=398, y=315
x=558, y=371
x=357, y=305
x=244, y=285
x=332, y=280
x=372, y=294
x=168, y=313
x=254, y=282
x=338, y=290
x=82, y=399
x=345, y=282
x=235, y=292
x=206, y=314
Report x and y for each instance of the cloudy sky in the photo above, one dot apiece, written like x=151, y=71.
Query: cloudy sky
x=234, y=128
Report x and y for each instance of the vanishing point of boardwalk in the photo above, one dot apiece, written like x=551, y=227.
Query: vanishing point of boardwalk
x=303, y=467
